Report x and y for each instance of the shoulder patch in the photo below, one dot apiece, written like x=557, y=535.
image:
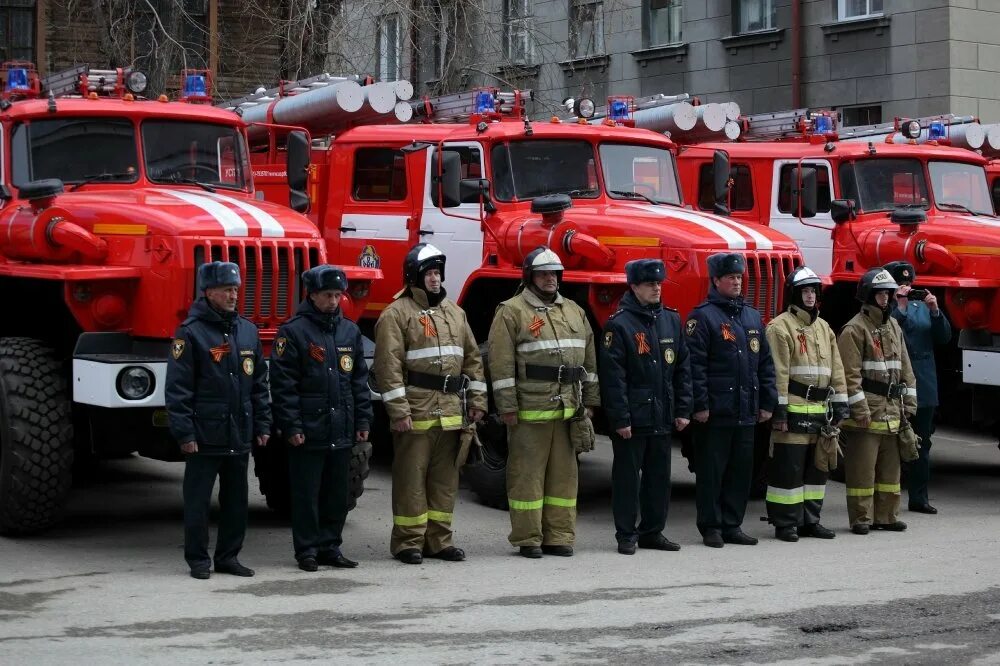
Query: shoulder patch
x=279, y=345
x=177, y=348
x=608, y=338
x=690, y=326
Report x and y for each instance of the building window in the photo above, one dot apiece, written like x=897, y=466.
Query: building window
x=663, y=21
x=444, y=37
x=17, y=30
x=379, y=175
x=861, y=115
x=389, y=66
x=754, y=15
x=855, y=9
x=586, y=36
x=517, y=40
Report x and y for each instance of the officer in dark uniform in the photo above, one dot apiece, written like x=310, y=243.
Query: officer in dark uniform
x=217, y=402
x=732, y=377
x=645, y=381
x=321, y=404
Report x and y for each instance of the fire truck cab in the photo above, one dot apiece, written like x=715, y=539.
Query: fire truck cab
x=108, y=205
x=859, y=203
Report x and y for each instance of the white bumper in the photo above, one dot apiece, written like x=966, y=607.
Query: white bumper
x=94, y=383
x=981, y=367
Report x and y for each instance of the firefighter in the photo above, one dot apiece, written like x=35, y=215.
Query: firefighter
x=645, y=381
x=880, y=388
x=322, y=405
x=811, y=393
x=217, y=404
x=544, y=371
x=924, y=325
x=732, y=378
x=428, y=368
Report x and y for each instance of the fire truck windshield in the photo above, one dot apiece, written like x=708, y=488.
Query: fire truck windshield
x=528, y=169
x=640, y=172
x=74, y=150
x=960, y=186
x=185, y=152
x=884, y=184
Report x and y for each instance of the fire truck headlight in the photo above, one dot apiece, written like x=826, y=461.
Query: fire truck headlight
x=136, y=83
x=910, y=129
x=584, y=108
x=135, y=383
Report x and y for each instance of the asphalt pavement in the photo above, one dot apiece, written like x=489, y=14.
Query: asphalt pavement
x=110, y=585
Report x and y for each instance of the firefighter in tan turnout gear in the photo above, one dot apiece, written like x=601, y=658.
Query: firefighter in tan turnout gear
x=543, y=368
x=430, y=373
x=811, y=393
x=880, y=388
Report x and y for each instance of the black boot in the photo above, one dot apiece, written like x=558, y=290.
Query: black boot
x=713, y=539
x=658, y=542
x=898, y=526
x=410, y=556
x=860, y=528
x=816, y=531
x=788, y=534
x=531, y=552
x=739, y=538
x=308, y=564
x=562, y=551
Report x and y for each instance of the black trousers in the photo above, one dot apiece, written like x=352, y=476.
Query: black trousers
x=918, y=472
x=320, y=483
x=200, y=472
x=723, y=467
x=795, y=488
x=640, y=485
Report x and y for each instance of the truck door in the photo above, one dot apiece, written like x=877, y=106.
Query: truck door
x=814, y=236
x=375, y=229
x=456, y=231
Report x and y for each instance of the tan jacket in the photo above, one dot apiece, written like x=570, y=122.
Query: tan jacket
x=872, y=347
x=527, y=331
x=411, y=337
x=805, y=351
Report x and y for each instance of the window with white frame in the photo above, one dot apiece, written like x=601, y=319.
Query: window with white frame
x=663, y=21
x=517, y=38
x=389, y=66
x=755, y=15
x=586, y=19
x=855, y=9
x=444, y=37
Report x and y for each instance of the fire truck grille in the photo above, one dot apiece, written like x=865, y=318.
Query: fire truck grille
x=270, y=271
x=765, y=281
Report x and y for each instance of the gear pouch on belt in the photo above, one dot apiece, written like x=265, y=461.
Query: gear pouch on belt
x=467, y=453
x=909, y=442
x=581, y=433
x=827, y=447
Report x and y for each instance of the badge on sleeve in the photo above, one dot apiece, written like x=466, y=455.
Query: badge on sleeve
x=755, y=345
x=177, y=348
x=690, y=326
x=279, y=346
x=346, y=362
x=608, y=337
x=248, y=366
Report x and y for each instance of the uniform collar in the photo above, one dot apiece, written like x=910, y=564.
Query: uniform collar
x=803, y=315
x=875, y=314
x=535, y=302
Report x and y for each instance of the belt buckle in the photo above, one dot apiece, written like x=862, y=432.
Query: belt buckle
x=809, y=393
x=892, y=389
x=444, y=389
x=559, y=374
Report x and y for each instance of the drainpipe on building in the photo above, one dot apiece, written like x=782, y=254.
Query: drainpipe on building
x=796, y=54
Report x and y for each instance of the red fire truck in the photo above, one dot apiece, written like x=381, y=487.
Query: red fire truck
x=861, y=198
x=469, y=187
x=108, y=205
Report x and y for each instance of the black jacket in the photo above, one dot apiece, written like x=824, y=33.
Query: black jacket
x=319, y=380
x=645, y=388
x=216, y=390
x=732, y=372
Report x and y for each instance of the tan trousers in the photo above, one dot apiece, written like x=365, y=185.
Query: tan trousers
x=541, y=484
x=871, y=468
x=424, y=485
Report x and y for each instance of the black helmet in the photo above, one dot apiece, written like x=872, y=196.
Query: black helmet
x=421, y=258
x=541, y=259
x=874, y=280
x=901, y=271
x=324, y=277
x=803, y=276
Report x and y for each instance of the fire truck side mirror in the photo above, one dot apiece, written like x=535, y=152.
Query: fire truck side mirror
x=720, y=182
x=804, y=191
x=446, y=181
x=298, y=171
x=842, y=210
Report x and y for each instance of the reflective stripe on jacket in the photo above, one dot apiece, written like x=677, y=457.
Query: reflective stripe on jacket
x=410, y=336
x=527, y=331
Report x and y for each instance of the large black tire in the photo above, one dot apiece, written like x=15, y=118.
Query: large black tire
x=36, y=437
x=271, y=469
x=488, y=479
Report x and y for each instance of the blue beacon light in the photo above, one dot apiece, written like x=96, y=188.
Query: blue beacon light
x=484, y=102
x=824, y=124
x=618, y=110
x=194, y=85
x=936, y=130
x=17, y=79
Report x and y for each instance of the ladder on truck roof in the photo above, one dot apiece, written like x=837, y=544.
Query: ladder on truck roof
x=790, y=124
x=948, y=129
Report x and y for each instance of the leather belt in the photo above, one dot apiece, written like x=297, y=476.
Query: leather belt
x=443, y=383
x=810, y=393
x=892, y=391
x=561, y=374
